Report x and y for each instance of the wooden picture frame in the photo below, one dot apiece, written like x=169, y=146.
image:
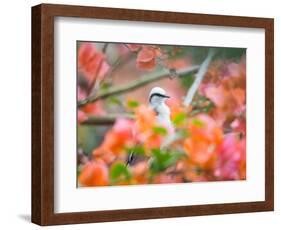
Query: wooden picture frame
x=43, y=113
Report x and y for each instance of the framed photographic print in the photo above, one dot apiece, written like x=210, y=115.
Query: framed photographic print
x=146, y=114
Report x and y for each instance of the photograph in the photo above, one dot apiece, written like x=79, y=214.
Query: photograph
x=159, y=114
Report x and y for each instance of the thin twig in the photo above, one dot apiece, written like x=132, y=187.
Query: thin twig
x=118, y=64
x=144, y=80
x=199, y=77
x=106, y=119
x=104, y=48
x=95, y=80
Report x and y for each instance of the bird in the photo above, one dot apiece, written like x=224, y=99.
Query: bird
x=156, y=99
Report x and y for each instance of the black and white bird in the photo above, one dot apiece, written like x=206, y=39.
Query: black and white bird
x=157, y=98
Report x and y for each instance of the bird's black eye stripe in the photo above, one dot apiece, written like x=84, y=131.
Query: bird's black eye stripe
x=157, y=94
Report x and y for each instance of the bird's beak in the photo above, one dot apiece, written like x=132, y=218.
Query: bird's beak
x=166, y=96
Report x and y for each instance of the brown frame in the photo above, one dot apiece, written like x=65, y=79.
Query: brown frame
x=43, y=113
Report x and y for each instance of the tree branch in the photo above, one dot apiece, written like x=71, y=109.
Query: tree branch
x=199, y=77
x=155, y=76
x=106, y=119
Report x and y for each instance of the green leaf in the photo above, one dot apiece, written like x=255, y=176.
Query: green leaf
x=198, y=123
x=133, y=104
x=187, y=80
x=161, y=160
x=114, y=101
x=136, y=150
x=160, y=130
x=105, y=86
x=118, y=173
x=179, y=119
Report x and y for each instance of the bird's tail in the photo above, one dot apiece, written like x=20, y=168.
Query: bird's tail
x=130, y=159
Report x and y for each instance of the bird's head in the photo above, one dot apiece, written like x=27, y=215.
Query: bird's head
x=157, y=96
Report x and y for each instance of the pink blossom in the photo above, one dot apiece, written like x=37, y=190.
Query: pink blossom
x=231, y=156
x=91, y=62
